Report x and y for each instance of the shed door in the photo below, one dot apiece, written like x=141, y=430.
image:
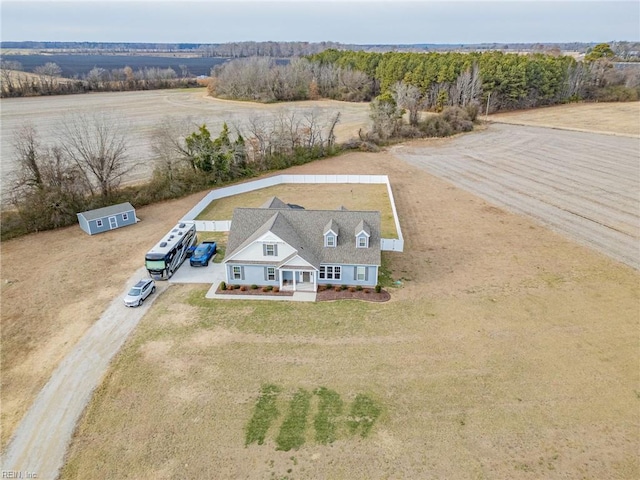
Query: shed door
x=112, y=222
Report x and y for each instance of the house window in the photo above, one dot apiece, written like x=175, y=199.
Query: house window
x=99, y=223
x=270, y=250
x=271, y=273
x=360, y=274
x=330, y=273
x=336, y=273
x=362, y=242
x=237, y=273
x=330, y=240
x=125, y=216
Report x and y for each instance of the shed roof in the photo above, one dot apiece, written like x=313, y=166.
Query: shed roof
x=107, y=211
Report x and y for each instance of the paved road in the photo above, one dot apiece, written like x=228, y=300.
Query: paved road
x=585, y=186
x=42, y=438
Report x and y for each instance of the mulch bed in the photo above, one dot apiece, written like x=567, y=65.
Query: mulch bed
x=257, y=291
x=367, y=294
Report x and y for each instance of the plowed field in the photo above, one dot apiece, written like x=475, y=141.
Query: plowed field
x=580, y=184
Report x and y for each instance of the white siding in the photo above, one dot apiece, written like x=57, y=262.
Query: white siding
x=254, y=252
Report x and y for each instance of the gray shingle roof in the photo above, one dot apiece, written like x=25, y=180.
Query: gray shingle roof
x=274, y=202
x=107, y=211
x=362, y=227
x=333, y=226
x=304, y=231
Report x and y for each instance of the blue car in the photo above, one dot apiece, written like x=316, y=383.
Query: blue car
x=202, y=254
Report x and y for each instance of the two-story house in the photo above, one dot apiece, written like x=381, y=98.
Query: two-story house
x=299, y=249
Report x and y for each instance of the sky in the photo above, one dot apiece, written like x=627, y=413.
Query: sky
x=352, y=22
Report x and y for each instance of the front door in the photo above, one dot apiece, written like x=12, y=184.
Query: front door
x=112, y=222
x=306, y=277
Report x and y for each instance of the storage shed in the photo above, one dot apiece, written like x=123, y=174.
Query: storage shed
x=107, y=218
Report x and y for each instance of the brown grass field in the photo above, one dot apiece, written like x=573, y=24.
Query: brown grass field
x=312, y=197
x=508, y=352
x=140, y=112
x=624, y=119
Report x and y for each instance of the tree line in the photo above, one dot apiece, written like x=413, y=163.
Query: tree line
x=85, y=168
x=494, y=80
x=47, y=80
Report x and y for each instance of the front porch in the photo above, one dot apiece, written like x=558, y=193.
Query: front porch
x=298, y=280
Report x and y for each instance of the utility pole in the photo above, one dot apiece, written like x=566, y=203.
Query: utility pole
x=486, y=113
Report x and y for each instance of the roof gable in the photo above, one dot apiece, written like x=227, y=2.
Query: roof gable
x=274, y=202
x=303, y=230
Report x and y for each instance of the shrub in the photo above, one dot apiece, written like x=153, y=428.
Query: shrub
x=436, y=126
x=223, y=285
x=359, y=288
x=367, y=290
x=352, y=289
x=230, y=287
x=472, y=111
x=322, y=288
x=378, y=288
x=337, y=288
x=269, y=288
x=254, y=287
x=243, y=288
x=458, y=119
x=329, y=286
x=343, y=287
x=276, y=289
x=265, y=289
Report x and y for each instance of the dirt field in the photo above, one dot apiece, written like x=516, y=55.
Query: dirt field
x=145, y=110
x=509, y=352
x=581, y=184
x=623, y=119
x=54, y=286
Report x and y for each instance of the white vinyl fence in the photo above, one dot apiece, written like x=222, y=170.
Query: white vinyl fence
x=389, y=244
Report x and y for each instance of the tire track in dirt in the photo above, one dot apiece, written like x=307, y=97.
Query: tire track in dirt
x=556, y=177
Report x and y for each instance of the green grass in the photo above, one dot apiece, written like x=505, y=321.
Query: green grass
x=265, y=412
x=329, y=411
x=292, y=431
x=364, y=413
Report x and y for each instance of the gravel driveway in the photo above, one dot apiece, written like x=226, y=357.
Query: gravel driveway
x=41, y=440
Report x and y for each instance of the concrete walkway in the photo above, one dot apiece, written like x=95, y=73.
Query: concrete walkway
x=296, y=297
x=40, y=442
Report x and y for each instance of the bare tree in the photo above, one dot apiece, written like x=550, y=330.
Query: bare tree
x=48, y=74
x=8, y=77
x=408, y=97
x=467, y=89
x=386, y=116
x=98, y=146
x=28, y=151
x=167, y=140
x=48, y=189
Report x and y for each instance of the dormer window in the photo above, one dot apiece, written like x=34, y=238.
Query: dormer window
x=363, y=232
x=331, y=232
x=329, y=240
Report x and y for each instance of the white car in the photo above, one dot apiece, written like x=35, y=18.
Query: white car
x=139, y=292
